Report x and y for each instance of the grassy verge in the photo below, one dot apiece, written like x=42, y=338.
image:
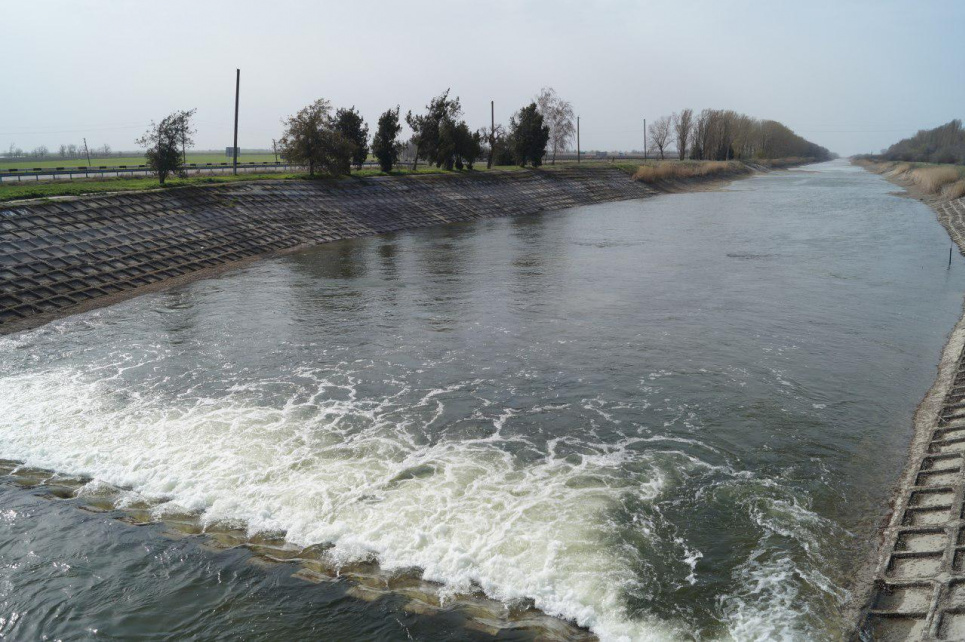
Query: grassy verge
x=20, y=191
x=47, y=189
x=945, y=181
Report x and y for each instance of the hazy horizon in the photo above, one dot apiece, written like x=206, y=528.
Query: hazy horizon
x=853, y=77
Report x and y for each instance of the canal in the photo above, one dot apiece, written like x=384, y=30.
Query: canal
x=671, y=418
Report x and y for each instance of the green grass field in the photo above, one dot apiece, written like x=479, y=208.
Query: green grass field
x=47, y=189
x=114, y=161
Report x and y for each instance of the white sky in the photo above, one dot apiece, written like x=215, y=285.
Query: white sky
x=853, y=76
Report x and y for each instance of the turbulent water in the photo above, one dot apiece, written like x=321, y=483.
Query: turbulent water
x=670, y=418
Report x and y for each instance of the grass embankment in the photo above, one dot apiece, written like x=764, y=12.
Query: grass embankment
x=944, y=181
x=47, y=189
x=10, y=191
x=666, y=172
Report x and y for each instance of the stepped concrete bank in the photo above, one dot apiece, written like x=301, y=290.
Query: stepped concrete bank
x=58, y=258
x=918, y=588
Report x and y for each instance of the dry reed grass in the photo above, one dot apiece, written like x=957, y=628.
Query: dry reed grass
x=900, y=168
x=932, y=179
x=945, y=180
x=677, y=170
x=954, y=190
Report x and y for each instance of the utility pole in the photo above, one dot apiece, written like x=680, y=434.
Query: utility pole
x=274, y=147
x=577, y=140
x=492, y=133
x=88, y=161
x=234, y=150
x=645, y=139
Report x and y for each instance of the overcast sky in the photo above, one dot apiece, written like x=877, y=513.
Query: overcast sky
x=852, y=76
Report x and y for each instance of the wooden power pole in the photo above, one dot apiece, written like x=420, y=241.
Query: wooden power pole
x=492, y=133
x=645, y=139
x=234, y=151
x=577, y=140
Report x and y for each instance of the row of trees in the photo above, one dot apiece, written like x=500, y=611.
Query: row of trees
x=943, y=144
x=331, y=142
x=718, y=134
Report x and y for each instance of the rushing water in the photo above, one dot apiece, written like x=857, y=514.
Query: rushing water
x=668, y=418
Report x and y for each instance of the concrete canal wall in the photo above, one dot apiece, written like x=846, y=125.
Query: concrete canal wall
x=67, y=256
x=917, y=591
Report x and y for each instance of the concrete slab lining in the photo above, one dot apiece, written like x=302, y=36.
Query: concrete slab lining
x=918, y=590
x=66, y=256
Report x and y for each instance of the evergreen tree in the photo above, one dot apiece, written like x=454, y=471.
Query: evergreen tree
x=384, y=144
x=432, y=131
x=350, y=125
x=529, y=136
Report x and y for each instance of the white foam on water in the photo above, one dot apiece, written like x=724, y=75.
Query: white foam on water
x=325, y=464
x=770, y=601
x=331, y=468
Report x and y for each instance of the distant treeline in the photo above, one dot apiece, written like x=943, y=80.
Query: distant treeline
x=944, y=144
x=67, y=152
x=722, y=134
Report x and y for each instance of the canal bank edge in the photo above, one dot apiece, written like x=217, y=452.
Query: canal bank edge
x=915, y=586
x=66, y=256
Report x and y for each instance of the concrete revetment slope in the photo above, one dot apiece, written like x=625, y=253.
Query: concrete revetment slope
x=918, y=589
x=67, y=256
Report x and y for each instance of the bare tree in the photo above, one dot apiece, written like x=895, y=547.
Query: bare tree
x=559, y=117
x=660, y=134
x=494, y=138
x=683, y=124
x=744, y=136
